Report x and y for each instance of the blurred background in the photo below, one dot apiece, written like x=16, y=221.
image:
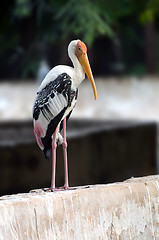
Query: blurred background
x=111, y=139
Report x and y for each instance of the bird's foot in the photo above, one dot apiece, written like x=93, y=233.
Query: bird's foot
x=65, y=187
x=51, y=189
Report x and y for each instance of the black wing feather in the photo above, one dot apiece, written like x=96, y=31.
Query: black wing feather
x=61, y=85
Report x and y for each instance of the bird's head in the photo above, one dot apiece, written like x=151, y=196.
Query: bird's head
x=81, y=54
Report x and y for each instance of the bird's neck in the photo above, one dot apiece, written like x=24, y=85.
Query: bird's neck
x=79, y=74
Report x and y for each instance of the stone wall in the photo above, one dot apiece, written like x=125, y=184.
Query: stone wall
x=127, y=210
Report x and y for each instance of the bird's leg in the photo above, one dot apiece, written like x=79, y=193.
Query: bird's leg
x=54, y=146
x=64, y=144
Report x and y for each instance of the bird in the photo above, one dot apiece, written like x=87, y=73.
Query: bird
x=54, y=102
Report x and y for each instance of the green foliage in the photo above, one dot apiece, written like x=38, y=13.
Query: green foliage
x=26, y=23
x=84, y=18
x=138, y=70
x=150, y=12
x=23, y=8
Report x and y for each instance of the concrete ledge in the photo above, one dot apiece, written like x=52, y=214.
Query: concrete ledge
x=128, y=210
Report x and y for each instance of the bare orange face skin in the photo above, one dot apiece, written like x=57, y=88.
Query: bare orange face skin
x=80, y=48
x=81, y=54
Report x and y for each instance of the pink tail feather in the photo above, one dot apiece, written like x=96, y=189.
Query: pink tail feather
x=39, y=133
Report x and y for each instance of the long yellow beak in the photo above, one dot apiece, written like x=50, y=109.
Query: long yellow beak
x=83, y=59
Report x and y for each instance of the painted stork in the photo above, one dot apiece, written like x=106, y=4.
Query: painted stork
x=55, y=100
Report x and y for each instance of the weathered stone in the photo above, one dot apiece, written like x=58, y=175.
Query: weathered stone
x=127, y=210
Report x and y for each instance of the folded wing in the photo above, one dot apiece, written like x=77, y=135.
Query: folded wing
x=49, y=107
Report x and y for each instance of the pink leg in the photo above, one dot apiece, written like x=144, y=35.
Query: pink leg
x=64, y=144
x=54, y=146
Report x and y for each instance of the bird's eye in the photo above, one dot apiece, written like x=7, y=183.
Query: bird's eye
x=79, y=48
